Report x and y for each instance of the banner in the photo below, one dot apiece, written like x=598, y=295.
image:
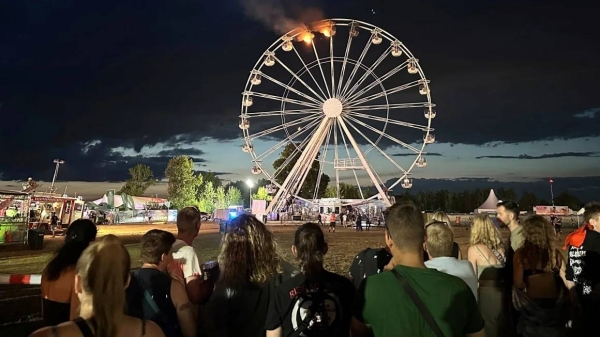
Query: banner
x=551, y=210
x=110, y=198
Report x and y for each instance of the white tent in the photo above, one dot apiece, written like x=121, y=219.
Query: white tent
x=140, y=202
x=489, y=205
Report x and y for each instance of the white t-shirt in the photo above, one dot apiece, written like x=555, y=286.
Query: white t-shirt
x=187, y=255
x=460, y=268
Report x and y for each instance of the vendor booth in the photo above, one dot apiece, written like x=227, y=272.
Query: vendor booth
x=14, y=212
x=43, y=206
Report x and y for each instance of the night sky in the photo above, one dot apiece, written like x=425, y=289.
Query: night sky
x=105, y=85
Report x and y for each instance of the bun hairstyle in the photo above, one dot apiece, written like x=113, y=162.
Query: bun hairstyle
x=79, y=235
x=104, y=271
x=310, y=249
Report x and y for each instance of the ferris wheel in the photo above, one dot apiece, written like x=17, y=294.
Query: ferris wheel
x=342, y=98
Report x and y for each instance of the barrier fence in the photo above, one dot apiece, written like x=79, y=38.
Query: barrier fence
x=31, y=279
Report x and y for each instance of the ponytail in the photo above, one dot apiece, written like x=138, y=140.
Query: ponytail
x=310, y=249
x=105, y=282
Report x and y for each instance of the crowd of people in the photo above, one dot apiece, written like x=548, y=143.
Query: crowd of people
x=418, y=285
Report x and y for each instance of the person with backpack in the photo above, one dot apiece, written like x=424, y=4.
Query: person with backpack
x=314, y=302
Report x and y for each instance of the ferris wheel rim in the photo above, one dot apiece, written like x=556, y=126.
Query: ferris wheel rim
x=365, y=26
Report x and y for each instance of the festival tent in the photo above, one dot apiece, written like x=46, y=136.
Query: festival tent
x=489, y=205
x=139, y=202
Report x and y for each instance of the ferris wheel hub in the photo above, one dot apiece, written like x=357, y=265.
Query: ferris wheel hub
x=333, y=107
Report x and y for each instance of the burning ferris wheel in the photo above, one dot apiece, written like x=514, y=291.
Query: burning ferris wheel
x=344, y=98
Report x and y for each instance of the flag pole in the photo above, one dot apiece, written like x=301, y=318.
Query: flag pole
x=551, y=191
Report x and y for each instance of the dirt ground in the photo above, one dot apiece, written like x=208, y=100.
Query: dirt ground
x=22, y=303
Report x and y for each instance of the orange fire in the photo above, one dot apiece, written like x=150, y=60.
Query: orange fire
x=307, y=37
x=326, y=32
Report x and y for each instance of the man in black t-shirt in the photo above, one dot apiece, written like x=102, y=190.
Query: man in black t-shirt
x=303, y=308
x=583, y=267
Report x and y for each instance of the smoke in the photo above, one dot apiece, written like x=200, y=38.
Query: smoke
x=272, y=14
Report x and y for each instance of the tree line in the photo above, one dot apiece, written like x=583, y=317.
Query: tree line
x=187, y=187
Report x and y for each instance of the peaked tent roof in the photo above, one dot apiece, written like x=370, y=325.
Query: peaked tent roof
x=491, y=202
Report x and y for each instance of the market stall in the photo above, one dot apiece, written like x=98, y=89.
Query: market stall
x=43, y=206
x=14, y=213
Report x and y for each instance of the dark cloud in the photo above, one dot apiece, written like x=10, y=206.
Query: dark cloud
x=215, y=173
x=545, y=156
x=178, y=77
x=181, y=152
x=428, y=154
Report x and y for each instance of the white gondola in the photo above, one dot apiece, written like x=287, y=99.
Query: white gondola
x=421, y=162
x=406, y=183
x=412, y=68
x=271, y=189
x=256, y=170
x=269, y=60
x=423, y=90
x=247, y=101
x=376, y=38
x=429, y=113
x=396, y=50
x=244, y=124
x=247, y=148
x=429, y=138
x=255, y=79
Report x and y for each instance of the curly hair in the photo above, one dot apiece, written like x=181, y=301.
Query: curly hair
x=539, y=246
x=248, y=253
x=484, y=232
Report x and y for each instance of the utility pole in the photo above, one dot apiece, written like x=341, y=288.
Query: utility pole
x=58, y=162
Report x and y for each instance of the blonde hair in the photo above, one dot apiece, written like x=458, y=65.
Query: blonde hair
x=484, y=232
x=440, y=240
x=440, y=216
x=101, y=277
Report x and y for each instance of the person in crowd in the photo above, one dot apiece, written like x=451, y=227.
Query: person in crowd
x=487, y=255
x=315, y=302
x=444, y=218
x=413, y=300
x=102, y=274
x=369, y=262
x=508, y=214
x=53, y=223
x=540, y=292
x=332, y=222
x=186, y=263
x=59, y=300
x=583, y=268
x=249, y=272
x=359, y=222
x=439, y=246
x=153, y=295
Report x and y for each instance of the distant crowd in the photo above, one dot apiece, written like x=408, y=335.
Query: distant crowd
x=418, y=285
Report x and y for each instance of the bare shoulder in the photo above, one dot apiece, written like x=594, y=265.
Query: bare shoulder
x=43, y=332
x=153, y=330
x=64, y=329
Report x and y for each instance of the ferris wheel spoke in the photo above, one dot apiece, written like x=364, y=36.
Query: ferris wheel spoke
x=321, y=68
x=349, y=157
x=386, y=93
x=283, y=126
x=313, y=153
x=378, y=81
x=333, y=94
x=391, y=121
x=296, y=150
x=286, y=140
x=341, y=78
x=356, y=66
x=335, y=157
x=284, y=99
x=368, y=72
x=299, y=79
x=394, y=139
x=311, y=76
x=290, y=88
x=280, y=112
x=389, y=106
x=376, y=147
x=322, y=161
x=364, y=162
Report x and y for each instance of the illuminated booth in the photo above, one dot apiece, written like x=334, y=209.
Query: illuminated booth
x=67, y=209
x=14, y=213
